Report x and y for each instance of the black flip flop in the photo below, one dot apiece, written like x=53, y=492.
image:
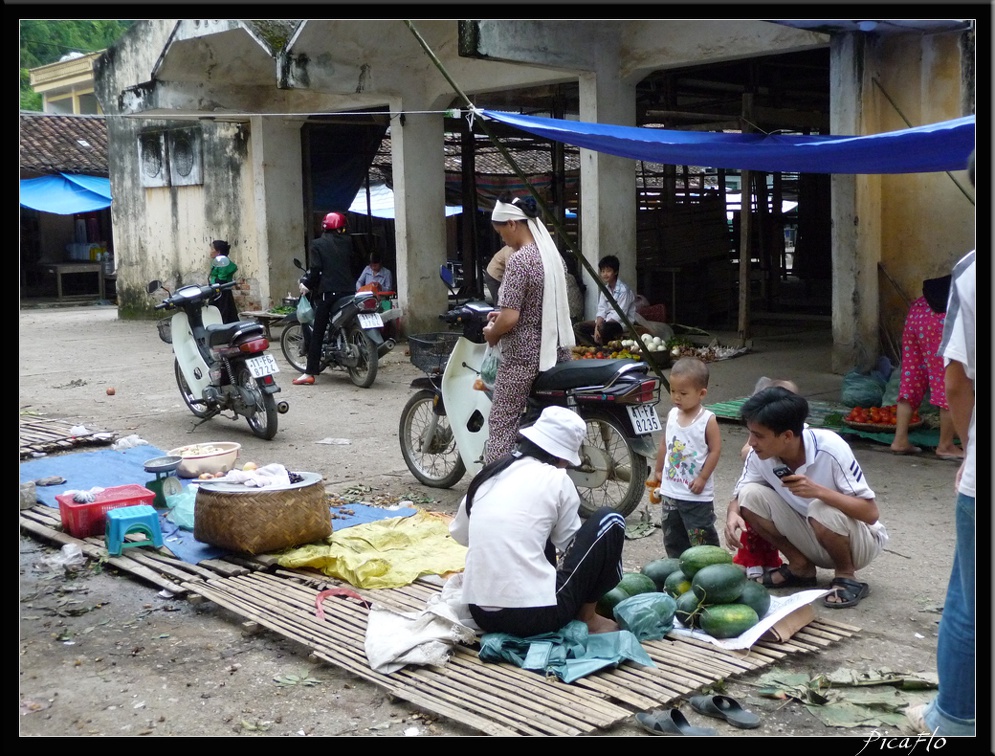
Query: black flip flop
x=788, y=579
x=669, y=722
x=724, y=707
x=849, y=590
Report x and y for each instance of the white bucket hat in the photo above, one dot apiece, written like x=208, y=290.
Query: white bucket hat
x=558, y=431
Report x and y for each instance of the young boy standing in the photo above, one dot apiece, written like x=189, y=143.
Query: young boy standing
x=686, y=460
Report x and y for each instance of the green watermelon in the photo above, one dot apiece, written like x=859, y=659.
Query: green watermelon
x=688, y=609
x=696, y=557
x=606, y=604
x=727, y=620
x=677, y=583
x=660, y=569
x=718, y=583
x=633, y=583
x=756, y=596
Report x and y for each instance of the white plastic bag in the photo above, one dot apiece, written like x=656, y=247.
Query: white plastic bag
x=305, y=312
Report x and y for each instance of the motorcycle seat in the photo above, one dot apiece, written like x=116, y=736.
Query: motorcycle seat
x=219, y=334
x=572, y=374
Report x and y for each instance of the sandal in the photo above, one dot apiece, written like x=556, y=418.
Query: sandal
x=670, y=722
x=848, y=591
x=724, y=707
x=788, y=579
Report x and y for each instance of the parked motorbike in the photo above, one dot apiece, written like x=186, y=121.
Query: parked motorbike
x=219, y=367
x=443, y=426
x=353, y=340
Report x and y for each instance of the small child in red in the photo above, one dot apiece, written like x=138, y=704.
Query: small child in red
x=756, y=554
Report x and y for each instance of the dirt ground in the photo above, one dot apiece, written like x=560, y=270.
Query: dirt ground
x=104, y=654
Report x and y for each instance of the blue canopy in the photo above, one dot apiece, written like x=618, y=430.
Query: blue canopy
x=66, y=194
x=942, y=146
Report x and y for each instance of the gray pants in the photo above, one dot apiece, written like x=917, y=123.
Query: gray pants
x=687, y=524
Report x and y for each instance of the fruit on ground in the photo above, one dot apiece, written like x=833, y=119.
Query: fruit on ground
x=677, y=583
x=755, y=596
x=696, y=557
x=660, y=569
x=727, y=620
x=607, y=603
x=634, y=583
x=718, y=583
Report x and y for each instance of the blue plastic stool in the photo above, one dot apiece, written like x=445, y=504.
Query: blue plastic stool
x=123, y=520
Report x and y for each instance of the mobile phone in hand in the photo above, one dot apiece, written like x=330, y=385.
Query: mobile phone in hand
x=781, y=471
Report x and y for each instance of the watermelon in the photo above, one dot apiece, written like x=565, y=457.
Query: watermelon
x=718, y=583
x=688, y=609
x=727, y=620
x=634, y=583
x=756, y=596
x=606, y=604
x=660, y=569
x=676, y=584
x=696, y=557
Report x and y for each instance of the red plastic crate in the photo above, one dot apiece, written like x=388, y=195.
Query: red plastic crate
x=83, y=520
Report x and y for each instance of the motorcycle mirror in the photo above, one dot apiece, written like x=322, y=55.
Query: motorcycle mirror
x=153, y=286
x=298, y=264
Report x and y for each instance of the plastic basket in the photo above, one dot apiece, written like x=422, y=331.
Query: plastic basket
x=85, y=519
x=165, y=327
x=430, y=351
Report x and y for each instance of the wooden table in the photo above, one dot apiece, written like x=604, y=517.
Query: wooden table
x=266, y=319
x=69, y=268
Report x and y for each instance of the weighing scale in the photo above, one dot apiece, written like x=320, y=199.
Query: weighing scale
x=166, y=483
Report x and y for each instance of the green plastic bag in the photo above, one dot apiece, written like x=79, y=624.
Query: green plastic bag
x=648, y=616
x=305, y=312
x=489, y=367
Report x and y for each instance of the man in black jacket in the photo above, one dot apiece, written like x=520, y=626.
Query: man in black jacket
x=329, y=276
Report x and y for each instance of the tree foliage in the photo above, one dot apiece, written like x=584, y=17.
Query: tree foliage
x=43, y=42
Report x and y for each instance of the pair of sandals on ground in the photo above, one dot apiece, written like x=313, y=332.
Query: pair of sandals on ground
x=846, y=591
x=673, y=721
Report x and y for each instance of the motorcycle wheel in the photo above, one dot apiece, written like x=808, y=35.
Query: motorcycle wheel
x=365, y=371
x=194, y=403
x=439, y=465
x=263, y=421
x=611, y=473
x=292, y=346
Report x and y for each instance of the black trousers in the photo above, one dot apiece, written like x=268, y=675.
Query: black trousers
x=591, y=567
x=322, y=303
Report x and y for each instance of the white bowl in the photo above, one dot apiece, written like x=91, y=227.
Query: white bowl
x=208, y=457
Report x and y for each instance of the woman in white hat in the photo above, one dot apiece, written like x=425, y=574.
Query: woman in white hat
x=532, y=322
x=519, y=511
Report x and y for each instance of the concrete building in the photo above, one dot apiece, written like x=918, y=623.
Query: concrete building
x=228, y=129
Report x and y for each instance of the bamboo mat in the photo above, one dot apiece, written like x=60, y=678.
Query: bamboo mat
x=494, y=699
x=40, y=435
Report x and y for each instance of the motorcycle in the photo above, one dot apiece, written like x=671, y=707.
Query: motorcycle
x=353, y=340
x=219, y=367
x=443, y=426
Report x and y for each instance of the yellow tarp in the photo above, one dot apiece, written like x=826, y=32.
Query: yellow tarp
x=384, y=554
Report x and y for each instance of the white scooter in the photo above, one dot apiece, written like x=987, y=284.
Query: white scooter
x=443, y=426
x=219, y=366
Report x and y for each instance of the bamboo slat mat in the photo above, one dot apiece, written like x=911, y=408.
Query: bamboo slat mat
x=494, y=699
x=40, y=435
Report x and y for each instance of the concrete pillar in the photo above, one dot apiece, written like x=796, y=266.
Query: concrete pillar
x=608, y=186
x=856, y=208
x=419, y=209
x=277, y=202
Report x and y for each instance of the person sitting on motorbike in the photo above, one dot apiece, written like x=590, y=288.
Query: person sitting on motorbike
x=329, y=277
x=532, y=323
x=376, y=273
x=517, y=513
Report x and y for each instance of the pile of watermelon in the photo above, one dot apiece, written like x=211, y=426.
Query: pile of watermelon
x=712, y=593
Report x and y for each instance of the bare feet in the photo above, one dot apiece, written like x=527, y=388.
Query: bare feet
x=599, y=624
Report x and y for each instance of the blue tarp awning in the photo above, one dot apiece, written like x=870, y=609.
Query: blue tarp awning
x=382, y=203
x=66, y=194
x=942, y=146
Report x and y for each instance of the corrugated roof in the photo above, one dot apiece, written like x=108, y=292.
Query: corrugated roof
x=63, y=143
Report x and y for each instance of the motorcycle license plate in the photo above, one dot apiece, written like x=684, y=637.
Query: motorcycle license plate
x=370, y=320
x=643, y=418
x=262, y=365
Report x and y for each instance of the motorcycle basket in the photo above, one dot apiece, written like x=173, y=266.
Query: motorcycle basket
x=430, y=351
x=165, y=327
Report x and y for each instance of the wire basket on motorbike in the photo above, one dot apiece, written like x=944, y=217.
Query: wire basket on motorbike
x=165, y=326
x=430, y=351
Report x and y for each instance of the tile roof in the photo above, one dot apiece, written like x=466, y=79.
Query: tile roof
x=63, y=143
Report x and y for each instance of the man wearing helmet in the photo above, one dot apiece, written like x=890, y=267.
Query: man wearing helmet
x=328, y=278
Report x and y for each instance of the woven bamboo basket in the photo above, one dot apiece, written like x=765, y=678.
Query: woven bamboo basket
x=259, y=521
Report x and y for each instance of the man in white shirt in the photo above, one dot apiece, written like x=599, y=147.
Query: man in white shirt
x=804, y=492
x=606, y=325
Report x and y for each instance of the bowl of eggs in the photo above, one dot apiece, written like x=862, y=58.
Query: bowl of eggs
x=211, y=458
